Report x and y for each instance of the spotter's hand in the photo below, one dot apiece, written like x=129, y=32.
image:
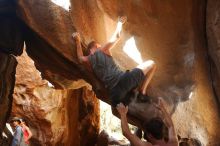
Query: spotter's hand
x=122, y=110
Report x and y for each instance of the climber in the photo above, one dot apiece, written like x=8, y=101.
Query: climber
x=155, y=130
x=100, y=61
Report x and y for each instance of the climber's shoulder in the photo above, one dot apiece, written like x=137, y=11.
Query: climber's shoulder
x=83, y=59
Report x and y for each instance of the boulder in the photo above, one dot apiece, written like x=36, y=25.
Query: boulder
x=7, y=80
x=11, y=43
x=213, y=29
x=56, y=117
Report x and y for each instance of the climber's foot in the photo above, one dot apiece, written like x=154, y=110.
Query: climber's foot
x=143, y=98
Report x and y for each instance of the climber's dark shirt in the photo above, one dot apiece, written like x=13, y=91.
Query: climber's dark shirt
x=105, y=68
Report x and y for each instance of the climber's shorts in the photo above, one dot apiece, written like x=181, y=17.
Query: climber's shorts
x=128, y=81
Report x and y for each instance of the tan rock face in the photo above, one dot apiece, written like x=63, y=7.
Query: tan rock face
x=56, y=117
x=171, y=34
x=58, y=61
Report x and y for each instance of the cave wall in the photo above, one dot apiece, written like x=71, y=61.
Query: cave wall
x=173, y=34
x=55, y=58
x=7, y=80
x=11, y=42
x=56, y=117
x=212, y=29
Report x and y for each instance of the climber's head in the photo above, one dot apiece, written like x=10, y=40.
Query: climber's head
x=155, y=129
x=92, y=47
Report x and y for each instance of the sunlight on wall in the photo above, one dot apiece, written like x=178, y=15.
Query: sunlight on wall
x=63, y=3
x=131, y=50
x=110, y=123
x=190, y=95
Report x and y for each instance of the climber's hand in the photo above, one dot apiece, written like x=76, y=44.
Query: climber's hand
x=122, y=19
x=122, y=110
x=76, y=36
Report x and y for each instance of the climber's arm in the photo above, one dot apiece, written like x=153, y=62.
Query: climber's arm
x=169, y=123
x=125, y=129
x=79, y=51
x=116, y=35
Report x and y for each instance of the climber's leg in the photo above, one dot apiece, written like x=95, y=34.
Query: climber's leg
x=148, y=69
x=128, y=81
x=141, y=75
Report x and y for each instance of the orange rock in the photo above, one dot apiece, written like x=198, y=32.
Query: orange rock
x=56, y=117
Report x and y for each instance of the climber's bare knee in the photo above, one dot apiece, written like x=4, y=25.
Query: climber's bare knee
x=147, y=66
x=148, y=69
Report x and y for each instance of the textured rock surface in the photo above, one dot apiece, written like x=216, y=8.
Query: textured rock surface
x=58, y=61
x=11, y=42
x=171, y=34
x=11, y=39
x=56, y=117
x=213, y=37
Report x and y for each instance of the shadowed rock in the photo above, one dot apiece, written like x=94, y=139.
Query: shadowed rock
x=7, y=80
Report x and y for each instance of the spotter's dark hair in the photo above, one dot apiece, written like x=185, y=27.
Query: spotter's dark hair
x=156, y=128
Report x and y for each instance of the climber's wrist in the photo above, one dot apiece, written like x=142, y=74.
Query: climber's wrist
x=77, y=40
x=123, y=115
x=76, y=36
